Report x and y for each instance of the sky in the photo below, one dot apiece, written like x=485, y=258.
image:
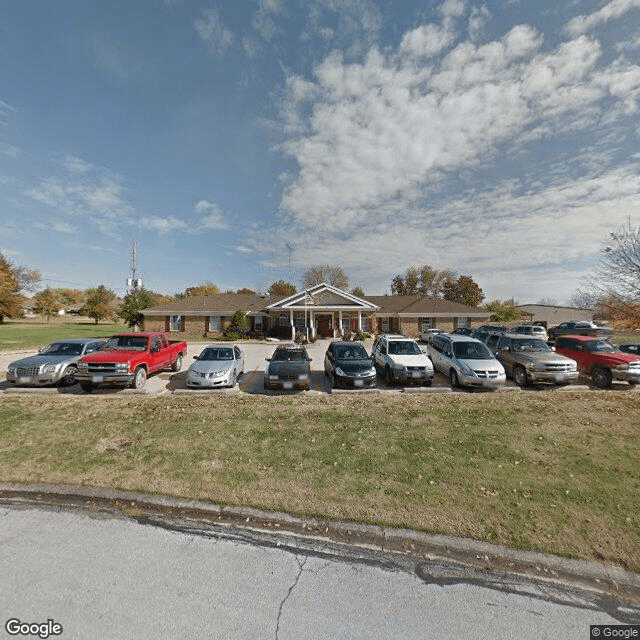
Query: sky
x=242, y=142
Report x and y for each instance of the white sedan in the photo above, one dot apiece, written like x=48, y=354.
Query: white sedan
x=219, y=365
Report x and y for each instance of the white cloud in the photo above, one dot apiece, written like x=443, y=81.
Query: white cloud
x=213, y=32
x=63, y=227
x=212, y=217
x=76, y=165
x=10, y=150
x=161, y=225
x=610, y=11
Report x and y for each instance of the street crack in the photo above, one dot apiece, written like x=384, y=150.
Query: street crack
x=291, y=588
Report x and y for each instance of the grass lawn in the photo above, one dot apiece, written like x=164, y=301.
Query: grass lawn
x=555, y=472
x=37, y=332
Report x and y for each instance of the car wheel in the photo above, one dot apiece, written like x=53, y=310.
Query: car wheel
x=140, y=378
x=520, y=376
x=332, y=378
x=601, y=377
x=633, y=383
x=177, y=365
x=232, y=380
x=453, y=379
x=87, y=387
x=388, y=376
x=69, y=376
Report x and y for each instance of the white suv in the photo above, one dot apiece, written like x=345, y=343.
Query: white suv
x=399, y=359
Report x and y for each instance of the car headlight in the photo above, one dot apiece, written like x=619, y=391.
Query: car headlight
x=122, y=366
x=49, y=368
x=83, y=366
x=622, y=367
x=11, y=369
x=466, y=369
x=303, y=376
x=399, y=367
x=373, y=372
x=339, y=371
x=219, y=374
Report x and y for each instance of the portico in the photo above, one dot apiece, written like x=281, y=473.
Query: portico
x=323, y=311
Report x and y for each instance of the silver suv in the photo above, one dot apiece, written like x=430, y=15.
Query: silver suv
x=466, y=361
x=400, y=359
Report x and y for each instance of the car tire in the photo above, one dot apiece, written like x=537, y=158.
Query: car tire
x=87, y=387
x=232, y=380
x=633, y=383
x=68, y=378
x=601, y=377
x=177, y=365
x=453, y=379
x=388, y=377
x=520, y=376
x=140, y=378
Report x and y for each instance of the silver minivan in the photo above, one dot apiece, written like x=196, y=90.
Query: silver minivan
x=466, y=361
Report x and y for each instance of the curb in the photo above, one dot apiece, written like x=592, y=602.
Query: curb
x=489, y=560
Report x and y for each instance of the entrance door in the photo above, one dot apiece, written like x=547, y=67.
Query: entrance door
x=325, y=325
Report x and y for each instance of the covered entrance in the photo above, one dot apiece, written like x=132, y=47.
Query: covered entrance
x=324, y=325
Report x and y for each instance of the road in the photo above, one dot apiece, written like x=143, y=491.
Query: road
x=100, y=576
x=251, y=381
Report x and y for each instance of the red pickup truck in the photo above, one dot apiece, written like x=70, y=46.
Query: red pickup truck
x=127, y=359
x=600, y=359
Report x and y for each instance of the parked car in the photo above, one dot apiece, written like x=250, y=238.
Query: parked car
x=579, y=328
x=600, y=359
x=289, y=368
x=218, y=365
x=427, y=334
x=463, y=331
x=348, y=365
x=535, y=330
x=127, y=359
x=56, y=363
x=466, y=361
x=400, y=359
x=492, y=341
x=493, y=328
x=634, y=348
x=530, y=361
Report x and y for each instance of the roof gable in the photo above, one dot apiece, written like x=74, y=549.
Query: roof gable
x=323, y=295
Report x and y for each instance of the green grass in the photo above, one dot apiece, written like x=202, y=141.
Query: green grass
x=553, y=472
x=27, y=334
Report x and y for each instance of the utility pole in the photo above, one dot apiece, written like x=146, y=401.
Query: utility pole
x=134, y=283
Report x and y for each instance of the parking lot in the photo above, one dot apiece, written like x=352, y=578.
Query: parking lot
x=251, y=381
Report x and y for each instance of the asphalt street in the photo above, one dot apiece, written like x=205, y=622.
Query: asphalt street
x=100, y=576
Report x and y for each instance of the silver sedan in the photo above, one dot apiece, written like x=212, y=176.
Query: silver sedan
x=219, y=365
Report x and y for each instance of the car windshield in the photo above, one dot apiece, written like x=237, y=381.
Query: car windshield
x=288, y=355
x=217, y=353
x=471, y=351
x=126, y=343
x=530, y=344
x=352, y=352
x=63, y=349
x=404, y=348
x=600, y=346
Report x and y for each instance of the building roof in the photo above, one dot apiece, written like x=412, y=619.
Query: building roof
x=223, y=304
x=413, y=306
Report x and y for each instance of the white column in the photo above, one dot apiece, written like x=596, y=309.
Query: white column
x=360, y=321
x=340, y=321
x=293, y=326
x=313, y=323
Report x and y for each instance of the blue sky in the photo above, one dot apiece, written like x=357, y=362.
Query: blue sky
x=242, y=142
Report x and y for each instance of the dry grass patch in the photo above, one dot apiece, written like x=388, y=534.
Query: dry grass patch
x=549, y=471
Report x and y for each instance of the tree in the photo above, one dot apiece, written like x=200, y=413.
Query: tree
x=503, y=311
x=357, y=291
x=69, y=297
x=132, y=305
x=245, y=291
x=335, y=276
x=98, y=303
x=281, y=288
x=204, y=289
x=238, y=326
x=424, y=281
x=47, y=303
x=464, y=290
x=10, y=298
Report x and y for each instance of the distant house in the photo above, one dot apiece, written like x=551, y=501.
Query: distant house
x=551, y=315
x=326, y=310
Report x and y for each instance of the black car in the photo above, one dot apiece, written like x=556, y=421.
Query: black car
x=288, y=368
x=348, y=365
x=634, y=348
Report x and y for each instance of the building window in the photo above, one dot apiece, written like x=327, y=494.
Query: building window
x=463, y=323
x=214, y=323
x=365, y=323
x=257, y=323
x=427, y=323
x=385, y=324
x=175, y=323
x=283, y=320
x=300, y=323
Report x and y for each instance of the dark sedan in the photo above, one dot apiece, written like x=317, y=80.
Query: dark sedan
x=348, y=365
x=634, y=348
x=288, y=368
